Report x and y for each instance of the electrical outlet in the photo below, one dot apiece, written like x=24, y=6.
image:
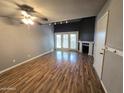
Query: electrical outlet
x=29, y=55
x=13, y=60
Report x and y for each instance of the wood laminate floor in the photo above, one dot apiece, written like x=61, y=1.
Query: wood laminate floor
x=56, y=72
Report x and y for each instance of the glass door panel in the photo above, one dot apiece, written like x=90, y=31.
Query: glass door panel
x=73, y=41
x=65, y=42
x=58, y=41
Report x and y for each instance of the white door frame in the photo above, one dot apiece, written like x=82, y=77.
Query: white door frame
x=105, y=14
x=61, y=33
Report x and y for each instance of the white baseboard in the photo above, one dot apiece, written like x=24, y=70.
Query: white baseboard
x=103, y=86
x=99, y=76
x=26, y=61
x=101, y=81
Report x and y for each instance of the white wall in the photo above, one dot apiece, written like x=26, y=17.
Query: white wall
x=112, y=76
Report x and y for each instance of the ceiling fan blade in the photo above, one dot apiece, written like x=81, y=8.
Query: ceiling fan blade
x=20, y=6
x=39, y=23
x=11, y=20
x=40, y=16
x=44, y=18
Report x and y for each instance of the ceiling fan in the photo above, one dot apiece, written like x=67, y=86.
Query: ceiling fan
x=28, y=14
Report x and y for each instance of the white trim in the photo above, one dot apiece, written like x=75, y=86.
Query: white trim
x=90, y=45
x=105, y=14
x=115, y=51
x=86, y=42
x=103, y=86
x=101, y=82
x=26, y=61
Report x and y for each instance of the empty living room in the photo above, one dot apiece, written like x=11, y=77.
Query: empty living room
x=61, y=46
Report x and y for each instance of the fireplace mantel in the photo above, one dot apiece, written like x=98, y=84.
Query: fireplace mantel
x=89, y=44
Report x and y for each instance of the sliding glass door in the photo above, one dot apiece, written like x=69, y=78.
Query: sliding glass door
x=73, y=41
x=58, y=41
x=66, y=41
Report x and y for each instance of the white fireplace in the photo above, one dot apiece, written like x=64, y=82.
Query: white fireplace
x=86, y=43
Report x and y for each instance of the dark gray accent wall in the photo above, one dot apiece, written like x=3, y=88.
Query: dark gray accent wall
x=21, y=43
x=85, y=27
x=67, y=27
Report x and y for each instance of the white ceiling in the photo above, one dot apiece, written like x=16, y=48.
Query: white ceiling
x=58, y=10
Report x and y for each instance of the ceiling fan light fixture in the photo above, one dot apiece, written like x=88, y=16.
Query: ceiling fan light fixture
x=27, y=21
x=30, y=22
x=24, y=13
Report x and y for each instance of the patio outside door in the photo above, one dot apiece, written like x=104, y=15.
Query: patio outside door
x=66, y=41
